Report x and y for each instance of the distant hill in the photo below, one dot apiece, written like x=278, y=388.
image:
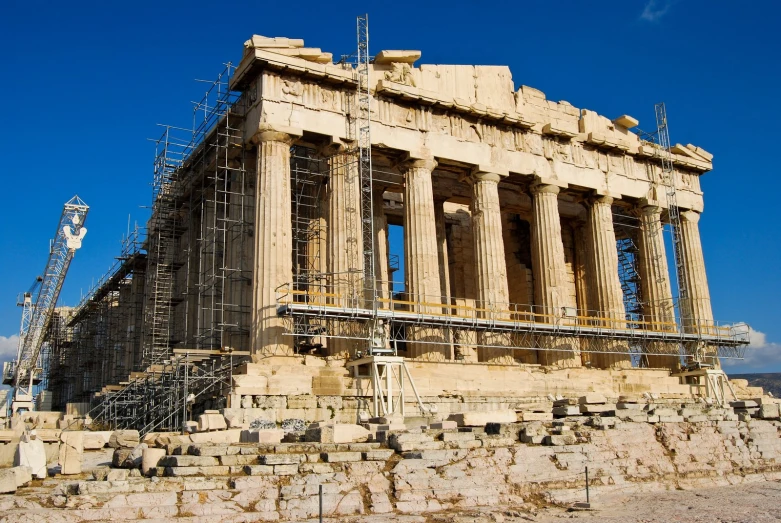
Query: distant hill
x=770, y=381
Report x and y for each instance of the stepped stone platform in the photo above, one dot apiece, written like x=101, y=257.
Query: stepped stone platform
x=417, y=469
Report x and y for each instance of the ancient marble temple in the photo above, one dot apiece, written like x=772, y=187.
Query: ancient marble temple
x=508, y=202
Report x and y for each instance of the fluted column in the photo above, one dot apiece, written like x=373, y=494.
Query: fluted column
x=605, y=287
x=696, y=311
x=444, y=265
x=550, y=279
x=493, y=294
x=273, y=243
x=344, y=242
x=381, y=260
x=657, y=294
x=444, y=269
x=421, y=257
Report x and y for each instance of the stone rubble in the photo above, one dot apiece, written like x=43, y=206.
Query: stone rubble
x=436, y=467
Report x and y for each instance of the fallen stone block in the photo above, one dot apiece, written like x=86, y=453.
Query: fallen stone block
x=269, y=436
x=211, y=421
x=425, y=445
x=135, y=457
x=339, y=457
x=602, y=409
x=197, y=471
x=124, y=439
x=24, y=476
x=661, y=411
x=630, y=406
x=770, y=411
x=592, y=399
x=744, y=404
x=285, y=470
x=537, y=416
x=258, y=470
x=71, y=452
x=7, y=481
x=671, y=419
x=480, y=419
x=535, y=439
x=491, y=442
x=336, y=433
x=457, y=436
x=31, y=453
x=565, y=402
x=238, y=460
x=117, y=475
x=378, y=455
x=220, y=436
x=443, y=425
x=188, y=461
x=559, y=440
x=150, y=459
x=96, y=440
x=566, y=410
x=281, y=459
x=119, y=459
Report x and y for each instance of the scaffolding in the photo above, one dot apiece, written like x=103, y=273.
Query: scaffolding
x=168, y=394
x=626, y=230
x=98, y=341
x=188, y=284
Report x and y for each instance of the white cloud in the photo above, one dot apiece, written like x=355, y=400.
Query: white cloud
x=761, y=355
x=8, y=346
x=654, y=10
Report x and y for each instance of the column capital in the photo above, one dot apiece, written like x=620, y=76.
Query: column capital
x=544, y=188
x=283, y=134
x=479, y=175
x=334, y=147
x=598, y=199
x=428, y=164
x=690, y=216
x=648, y=209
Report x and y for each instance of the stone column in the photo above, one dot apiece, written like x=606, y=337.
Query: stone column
x=696, y=311
x=520, y=283
x=444, y=268
x=462, y=283
x=605, y=288
x=657, y=294
x=344, y=243
x=550, y=278
x=421, y=257
x=273, y=243
x=381, y=260
x=493, y=295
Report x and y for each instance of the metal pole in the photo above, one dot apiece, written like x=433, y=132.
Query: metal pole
x=184, y=403
x=320, y=495
x=587, y=496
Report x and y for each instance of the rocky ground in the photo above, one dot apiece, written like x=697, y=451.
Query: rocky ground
x=747, y=503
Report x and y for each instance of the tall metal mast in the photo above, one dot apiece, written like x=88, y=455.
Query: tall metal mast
x=668, y=179
x=363, y=95
x=22, y=373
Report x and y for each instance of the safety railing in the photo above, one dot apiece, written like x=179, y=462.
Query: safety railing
x=331, y=298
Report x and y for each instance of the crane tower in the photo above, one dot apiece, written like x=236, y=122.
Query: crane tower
x=38, y=307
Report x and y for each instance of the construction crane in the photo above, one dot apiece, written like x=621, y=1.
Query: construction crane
x=38, y=305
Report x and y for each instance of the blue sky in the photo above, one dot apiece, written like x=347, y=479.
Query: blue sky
x=85, y=84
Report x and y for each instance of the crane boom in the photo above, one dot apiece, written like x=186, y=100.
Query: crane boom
x=38, y=310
